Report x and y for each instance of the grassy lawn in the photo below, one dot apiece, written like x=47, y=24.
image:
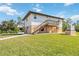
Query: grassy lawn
x=77, y=33
x=41, y=45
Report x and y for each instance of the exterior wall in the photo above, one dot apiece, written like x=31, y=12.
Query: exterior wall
x=33, y=27
x=52, y=29
x=39, y=19
x=28, y=25
x=48, y=29
x=32, y=23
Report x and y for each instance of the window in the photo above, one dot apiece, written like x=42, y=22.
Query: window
x=35, y=17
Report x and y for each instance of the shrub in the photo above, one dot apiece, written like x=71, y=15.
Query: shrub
x=65, y=25
x=0, y=31
x=77, y=27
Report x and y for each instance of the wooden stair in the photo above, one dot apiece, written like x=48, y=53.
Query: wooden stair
x=42, y=24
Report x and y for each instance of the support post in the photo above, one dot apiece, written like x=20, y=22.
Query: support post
x=60, y=26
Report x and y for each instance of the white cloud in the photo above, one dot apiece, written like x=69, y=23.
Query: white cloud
x=68, y=4
x=37, y=8
x=75, y=17
x=8, y=10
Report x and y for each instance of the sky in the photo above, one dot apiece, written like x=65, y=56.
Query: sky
x=13, y=10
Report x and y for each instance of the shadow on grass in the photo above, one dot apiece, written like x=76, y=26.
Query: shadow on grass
x=8, y=34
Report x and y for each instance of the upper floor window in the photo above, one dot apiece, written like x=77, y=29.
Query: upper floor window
x=35, y=17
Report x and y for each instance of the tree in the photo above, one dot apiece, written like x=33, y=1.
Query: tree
x=65, y=25
x=4, y=26
x=9, y=26
x=20, y=24
x=77, y=26
x=19, y=20
x=77, y=21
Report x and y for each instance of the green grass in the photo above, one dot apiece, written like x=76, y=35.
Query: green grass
x=41, y=45
x=77, y=33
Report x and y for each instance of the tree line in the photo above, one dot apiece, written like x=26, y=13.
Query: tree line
x=65, y=25
x=10, y=26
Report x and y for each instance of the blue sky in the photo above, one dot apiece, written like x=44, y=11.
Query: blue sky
x=13, y=10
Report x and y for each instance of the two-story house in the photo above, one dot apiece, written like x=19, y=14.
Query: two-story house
x=35, y=22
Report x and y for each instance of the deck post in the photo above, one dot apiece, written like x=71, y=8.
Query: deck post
x=60, y=26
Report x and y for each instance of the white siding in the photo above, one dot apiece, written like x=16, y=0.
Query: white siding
x=39, y=19
x=28, y=24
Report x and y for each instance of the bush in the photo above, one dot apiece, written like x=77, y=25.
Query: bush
x=16, y=30
x=0, y=31
x=9, y=26
x=65, y=25
x=77, y=27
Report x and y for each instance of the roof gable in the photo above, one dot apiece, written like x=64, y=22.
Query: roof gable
x=31, y=12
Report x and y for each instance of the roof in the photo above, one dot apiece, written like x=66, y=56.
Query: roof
x=39, y=14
